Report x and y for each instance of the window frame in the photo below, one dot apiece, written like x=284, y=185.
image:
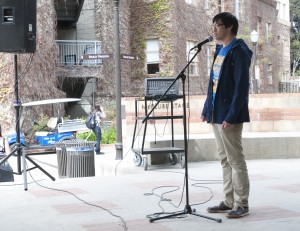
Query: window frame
x=238, y=9
x=268, y=32
x=270, y=73
x=220, y=6
x=190, y=2
x=208, y=4
x=209, y=59
x=193, y=68
x=152, y=65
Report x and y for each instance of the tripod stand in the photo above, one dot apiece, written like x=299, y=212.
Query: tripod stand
x=187, y=209
x=18, y=148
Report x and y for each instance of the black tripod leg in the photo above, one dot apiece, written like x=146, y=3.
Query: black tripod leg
x=6, y=158
x=168, y=216
x=211, y=218
x=39, y=167
x=187, y=210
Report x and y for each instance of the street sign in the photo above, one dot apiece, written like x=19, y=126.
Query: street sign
x=96, y=56
x=107, y=56
x=128, y=57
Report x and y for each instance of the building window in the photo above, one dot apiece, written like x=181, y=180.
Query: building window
x=269, y=74
x=220, y=6
x=268, y=32
x=238, y=9
x=209, y=60
x=190, y=54
x=152, y=56
x=208, y=4
x=283, y=11
x=190, y=2
x=258, y=25
x=285, y=76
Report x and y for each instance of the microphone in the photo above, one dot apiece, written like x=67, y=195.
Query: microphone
x=209, y=39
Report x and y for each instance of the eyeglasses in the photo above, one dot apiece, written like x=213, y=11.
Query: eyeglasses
x=216, y=25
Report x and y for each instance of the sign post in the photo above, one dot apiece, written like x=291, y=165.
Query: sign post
x=119, y=144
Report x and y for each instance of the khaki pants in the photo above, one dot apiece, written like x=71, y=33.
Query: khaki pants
x=235, y=173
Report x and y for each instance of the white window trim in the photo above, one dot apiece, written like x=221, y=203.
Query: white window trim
x=208, y=4
x=189, y=54
x=221, y=6
x=238, y=8
x=268, y=32
x=209, y=60
x=269, y=73
x=190, y=2
x=152, y=52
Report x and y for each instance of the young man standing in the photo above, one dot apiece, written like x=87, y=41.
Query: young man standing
x=226, y=108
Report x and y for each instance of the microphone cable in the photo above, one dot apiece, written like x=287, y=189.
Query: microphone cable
x=162, y=197
x=124, y=225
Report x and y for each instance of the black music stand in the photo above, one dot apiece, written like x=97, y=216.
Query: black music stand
x=188, y=209
x=17, y=147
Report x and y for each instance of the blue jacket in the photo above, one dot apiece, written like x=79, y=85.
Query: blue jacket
x=231, y=100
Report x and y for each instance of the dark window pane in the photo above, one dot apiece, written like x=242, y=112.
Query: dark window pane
x=153, y=68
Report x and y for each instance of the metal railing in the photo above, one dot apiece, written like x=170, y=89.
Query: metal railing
x=289, y=86
x=71, y=52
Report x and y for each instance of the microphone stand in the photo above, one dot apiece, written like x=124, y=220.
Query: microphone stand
x=187, y=209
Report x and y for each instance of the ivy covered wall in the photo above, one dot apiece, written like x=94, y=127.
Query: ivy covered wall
x=36, y=72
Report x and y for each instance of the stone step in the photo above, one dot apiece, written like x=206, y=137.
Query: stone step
x=256, y=145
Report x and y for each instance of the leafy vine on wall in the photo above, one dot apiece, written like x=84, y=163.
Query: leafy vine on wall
x=153, y=19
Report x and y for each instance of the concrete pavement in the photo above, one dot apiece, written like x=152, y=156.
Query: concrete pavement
x=122, y=197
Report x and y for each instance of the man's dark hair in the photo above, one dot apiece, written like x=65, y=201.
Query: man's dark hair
x=228, y=20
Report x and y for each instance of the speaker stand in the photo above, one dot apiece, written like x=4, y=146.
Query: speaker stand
x=18, y=148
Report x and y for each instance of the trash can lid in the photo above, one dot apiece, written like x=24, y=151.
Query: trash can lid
x=75, y=143
x=79, y=149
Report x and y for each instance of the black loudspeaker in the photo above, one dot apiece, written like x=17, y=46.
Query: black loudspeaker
x=18, y=26
x=6, y=173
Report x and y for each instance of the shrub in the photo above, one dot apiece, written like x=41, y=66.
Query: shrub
x=41, y=123
x=109, y=135
x=83, y=136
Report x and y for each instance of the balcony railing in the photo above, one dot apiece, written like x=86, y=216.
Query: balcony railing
x=289, y=86
x=71, y=52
